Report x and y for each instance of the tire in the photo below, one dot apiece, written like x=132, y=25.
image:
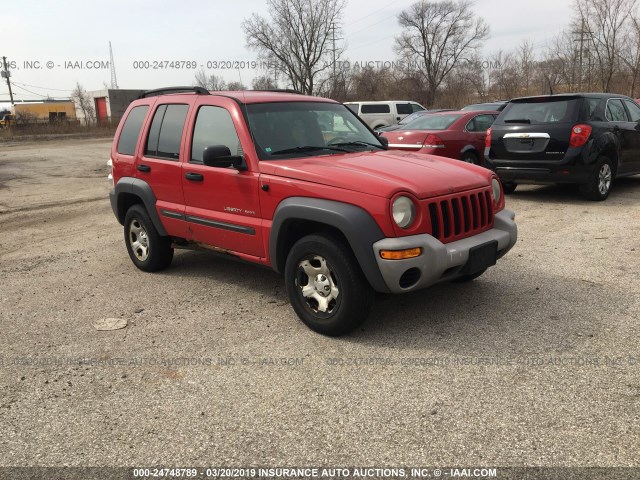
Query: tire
x=509, y=187
x=149, y=251
x=470, y=157
x=326, y=286
x=599, y=185
x=469, y=278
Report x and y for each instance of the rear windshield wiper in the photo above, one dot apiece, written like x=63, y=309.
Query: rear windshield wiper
x=359, y=143
x=306, y=149
x=517, y=120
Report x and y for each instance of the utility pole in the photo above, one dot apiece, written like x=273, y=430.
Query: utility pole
x=114, y=80
x=7, y=74
x=584, y=34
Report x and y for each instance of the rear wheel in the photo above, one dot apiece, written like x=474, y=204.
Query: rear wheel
x=149, y=251
x=325, y=285
x=509, y=187
x=470, y=157
x=599, y=185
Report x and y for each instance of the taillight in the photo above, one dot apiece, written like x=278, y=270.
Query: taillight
x=579, y=135
x=433, y=141
x=487, y=139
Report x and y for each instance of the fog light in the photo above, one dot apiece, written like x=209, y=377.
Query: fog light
x=401, y=254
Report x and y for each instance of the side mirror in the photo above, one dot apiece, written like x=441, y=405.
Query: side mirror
x=219, y=156
x=383, y=140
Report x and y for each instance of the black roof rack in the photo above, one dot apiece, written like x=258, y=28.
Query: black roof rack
x=162, y=91
x=278, y=90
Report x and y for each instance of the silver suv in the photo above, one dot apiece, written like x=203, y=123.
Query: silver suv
x=383, y=114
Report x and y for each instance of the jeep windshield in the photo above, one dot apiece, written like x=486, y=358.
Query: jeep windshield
x=283, y=130
x=542, y=110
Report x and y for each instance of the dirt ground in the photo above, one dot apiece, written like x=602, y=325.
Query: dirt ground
x=535, y=363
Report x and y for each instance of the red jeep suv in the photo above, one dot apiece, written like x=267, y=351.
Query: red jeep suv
x=302, y=185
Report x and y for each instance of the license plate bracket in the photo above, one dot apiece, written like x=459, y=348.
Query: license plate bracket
x=481, y=257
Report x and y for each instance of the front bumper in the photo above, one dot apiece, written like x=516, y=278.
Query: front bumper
x=439, y=261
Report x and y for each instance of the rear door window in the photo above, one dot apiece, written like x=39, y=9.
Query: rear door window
x=615, y=111
x=165, y=134
x=131, y=130
x=375, y=108
x=403, y=108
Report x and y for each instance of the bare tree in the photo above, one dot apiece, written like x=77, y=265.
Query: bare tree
x=297, y=38
x=210, y=82
x=85, y=103
x=437, y=36
x=236, y=85
x=604, y=24
x=264, y=82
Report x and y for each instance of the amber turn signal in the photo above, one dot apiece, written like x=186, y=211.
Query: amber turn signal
x=401, y=254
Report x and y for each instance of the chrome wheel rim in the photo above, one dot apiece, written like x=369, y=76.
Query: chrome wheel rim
x=604, y=179
x=139, y=240
x=317, y=283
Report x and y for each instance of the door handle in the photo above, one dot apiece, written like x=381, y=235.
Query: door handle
x=144, y=168
x=194, y=177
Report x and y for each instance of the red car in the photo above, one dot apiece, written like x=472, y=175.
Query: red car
x=460, y=135
x=302, y=185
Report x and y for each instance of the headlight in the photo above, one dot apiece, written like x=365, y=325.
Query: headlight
x=404, y=212
x=496, y=189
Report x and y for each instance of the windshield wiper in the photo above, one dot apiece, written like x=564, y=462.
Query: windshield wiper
x=360, y=143
x=306, y=149
x=518, y=120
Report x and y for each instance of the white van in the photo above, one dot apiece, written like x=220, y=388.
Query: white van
x=383, y=114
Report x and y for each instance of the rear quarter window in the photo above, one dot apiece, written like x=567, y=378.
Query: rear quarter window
x=375, y=108
x=131, y=130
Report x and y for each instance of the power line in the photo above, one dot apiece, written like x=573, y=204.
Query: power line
x=43, y=88
x=29, y=91
x=373, y=13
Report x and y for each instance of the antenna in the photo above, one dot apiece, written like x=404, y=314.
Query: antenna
x=114, y=80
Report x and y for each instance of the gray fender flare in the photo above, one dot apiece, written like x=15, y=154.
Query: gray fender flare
x=358, y=227
x=142, y=190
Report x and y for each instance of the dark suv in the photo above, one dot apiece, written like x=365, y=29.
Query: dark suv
x=588, y=139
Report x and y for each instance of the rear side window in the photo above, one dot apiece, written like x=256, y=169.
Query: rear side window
x=165, y=134
x=433, y=122
x=214, y=127
x=634, y=110
x=541, y=111
x=615, y=111
x=591, y=107
x=403, y=108
x=481, y=123
x=375, y=108
x=131, y=130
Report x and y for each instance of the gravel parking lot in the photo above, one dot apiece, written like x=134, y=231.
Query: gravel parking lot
x=535, y=363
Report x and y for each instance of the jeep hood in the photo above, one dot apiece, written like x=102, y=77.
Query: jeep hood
x=383, y=173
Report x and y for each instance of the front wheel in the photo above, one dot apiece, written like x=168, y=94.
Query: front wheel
x=599, y=185
x=326, y=286
x=149, y=251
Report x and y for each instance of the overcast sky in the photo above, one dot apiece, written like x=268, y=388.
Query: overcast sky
x=77, y=31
